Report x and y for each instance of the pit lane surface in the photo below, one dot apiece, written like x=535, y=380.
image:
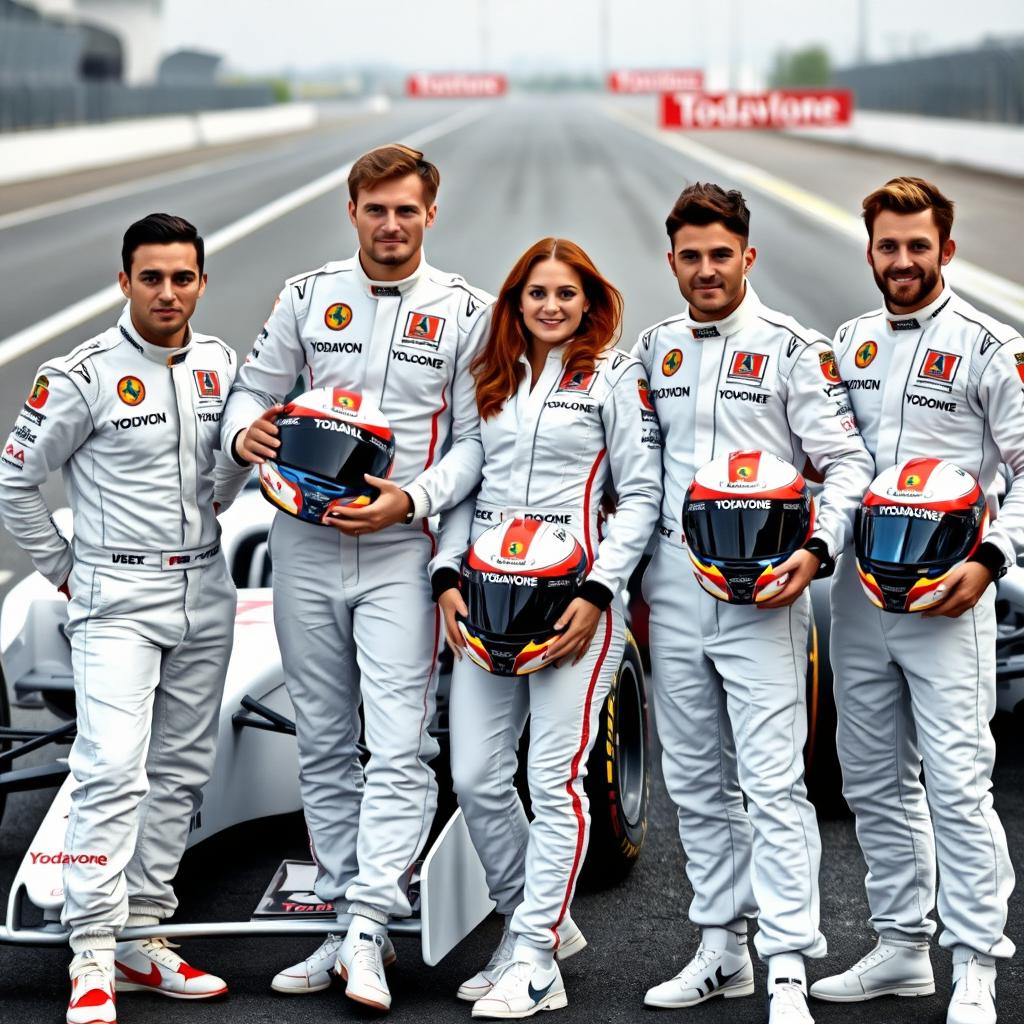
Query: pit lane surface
x=529, y=167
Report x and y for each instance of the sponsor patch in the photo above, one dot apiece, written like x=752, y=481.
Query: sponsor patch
x=31, y=415
x=865, y=354
x=338, y=316
x=829, y=370
x=40, y=392
x=385, y=291
x=747, y=368
x=579, y=381
x=207, y=383
x=1018, y=358
x=131, y=390
x=17, y=454
x=743, y=467
x=672, y=361
x=423, y=329
x=704, y=332
x=346, y=399
x=938, y=370
x=645, y=395
x=910, y=324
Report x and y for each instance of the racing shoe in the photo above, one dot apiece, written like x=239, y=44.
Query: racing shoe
x=974, y=993
x=710, y=973
x=361, y=964
x=315, y=972
x=787, y=1003
x=890, y=969
x=151, y=965
x=570, y=941
x=92, y=989
x=521, y=989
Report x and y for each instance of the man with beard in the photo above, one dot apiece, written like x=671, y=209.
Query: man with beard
x=352, y=604
x=930, y=376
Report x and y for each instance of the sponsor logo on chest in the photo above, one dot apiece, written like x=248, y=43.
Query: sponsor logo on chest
x=747, y=368
x=937, y=370
x=423, y=330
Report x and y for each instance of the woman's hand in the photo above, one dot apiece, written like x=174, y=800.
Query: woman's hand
x=451, y=604
x=579, y=621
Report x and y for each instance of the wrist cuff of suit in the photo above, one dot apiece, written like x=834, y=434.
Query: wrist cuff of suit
x=420, y=502
x=596, y=593
x=819, y=549
x=233, y=452
x=992, y=557
x=442, y=580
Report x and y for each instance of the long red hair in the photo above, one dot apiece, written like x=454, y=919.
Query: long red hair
x=497, y=369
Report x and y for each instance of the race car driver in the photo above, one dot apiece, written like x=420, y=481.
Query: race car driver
x=352, y=602
x=564, y=418
x=131, y=417
x=729, y=680
x=931, y=376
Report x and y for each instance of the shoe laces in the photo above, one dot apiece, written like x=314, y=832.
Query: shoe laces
x=975, y=988
x=86, y=963
x=790, y=996
x=512, y=973
x=878, y=955
x=328, y=948
x=162, y=951
x=702, y=959
x=366, y=956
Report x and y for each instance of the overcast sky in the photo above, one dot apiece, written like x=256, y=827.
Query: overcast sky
x=535, y=35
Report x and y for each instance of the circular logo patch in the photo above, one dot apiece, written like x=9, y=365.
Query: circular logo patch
x=40, y=392
x=672, y=361
x=865, y=354
x=338, y=316
x=131, y=390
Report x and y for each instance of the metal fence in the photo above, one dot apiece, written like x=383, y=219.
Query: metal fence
x=984, y=84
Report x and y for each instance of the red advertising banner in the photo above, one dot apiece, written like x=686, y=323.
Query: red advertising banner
x=661, y=80
x=456, y=85
x=780, y=108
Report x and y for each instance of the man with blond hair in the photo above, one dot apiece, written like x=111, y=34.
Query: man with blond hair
x=929, y=376
x=352, y=603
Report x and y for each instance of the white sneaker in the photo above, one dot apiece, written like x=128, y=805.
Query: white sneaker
x=707, y=975
x=361, y=964
x=974, y=995
x=570, y=941
x=314, y=974
x=787, y=1003
x=92, y=989
x=522, y=989
x=151, y=965
x=888, y=970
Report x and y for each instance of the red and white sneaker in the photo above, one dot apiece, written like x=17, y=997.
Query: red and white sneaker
x=152, y=966
x=92, y=989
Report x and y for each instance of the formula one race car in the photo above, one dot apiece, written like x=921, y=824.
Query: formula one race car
x=256, y=769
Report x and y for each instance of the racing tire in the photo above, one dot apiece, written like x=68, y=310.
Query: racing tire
x=618, y=782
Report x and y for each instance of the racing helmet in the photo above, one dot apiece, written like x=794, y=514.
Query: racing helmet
x=329, y=438
x=917, y=521
x=744, y=513
x=516, y=579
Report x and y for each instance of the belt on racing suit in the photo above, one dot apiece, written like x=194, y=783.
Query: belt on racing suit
x=147, y=561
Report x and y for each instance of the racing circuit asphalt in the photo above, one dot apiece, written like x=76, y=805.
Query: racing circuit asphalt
x=523, y=168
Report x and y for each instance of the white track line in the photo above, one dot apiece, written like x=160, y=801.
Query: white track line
x=85, y=309
x=990, y=289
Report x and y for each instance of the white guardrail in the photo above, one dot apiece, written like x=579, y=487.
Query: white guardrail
x=26, y=156
x=980, y=145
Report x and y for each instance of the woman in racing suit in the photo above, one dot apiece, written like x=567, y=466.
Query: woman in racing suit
x=565, y=420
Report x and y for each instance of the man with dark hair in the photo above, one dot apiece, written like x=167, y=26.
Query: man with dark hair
x=731, y=375
x=929, y=376
x=131, y=417
x=352, y=601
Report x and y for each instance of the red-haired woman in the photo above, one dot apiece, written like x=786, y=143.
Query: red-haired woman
x=565, y=419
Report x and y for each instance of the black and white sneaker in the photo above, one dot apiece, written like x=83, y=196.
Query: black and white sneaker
x=710, y=973
x=787, y=1002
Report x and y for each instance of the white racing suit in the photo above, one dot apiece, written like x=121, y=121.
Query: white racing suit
x=136, y=430
x=729, y=680
x=551, y=452
x=354, y=615
x=944, y=382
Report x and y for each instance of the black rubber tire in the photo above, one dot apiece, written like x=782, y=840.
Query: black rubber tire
x=618, y=781
x=821, y=760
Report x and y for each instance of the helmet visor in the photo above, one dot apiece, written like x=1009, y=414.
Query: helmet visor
x=906, y=539
x=506, y=609
x=747, y=533
x=337, y=452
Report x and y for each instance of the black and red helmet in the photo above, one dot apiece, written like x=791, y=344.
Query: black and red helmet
x=743, y=514
x=516, y=579
x=330, y=438
x=917, y=521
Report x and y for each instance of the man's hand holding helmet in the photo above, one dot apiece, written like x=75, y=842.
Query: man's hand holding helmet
x=579, y=621
x=392, y=505
x=259, y=442
x=963, y=589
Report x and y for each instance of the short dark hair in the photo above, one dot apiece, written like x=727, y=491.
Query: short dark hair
x=910, y=195
x=160, y=229
x=386, y=163
x=710, y=204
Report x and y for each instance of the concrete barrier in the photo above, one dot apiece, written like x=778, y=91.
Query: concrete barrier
x=25, y=156
x=980, y=145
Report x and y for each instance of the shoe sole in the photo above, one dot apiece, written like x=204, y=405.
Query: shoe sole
x=555, y=1001
x=363, y=1000
x=308, y=990
x=131, y=986
x=571, y=948
x=735, y=992
x=904, y=991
